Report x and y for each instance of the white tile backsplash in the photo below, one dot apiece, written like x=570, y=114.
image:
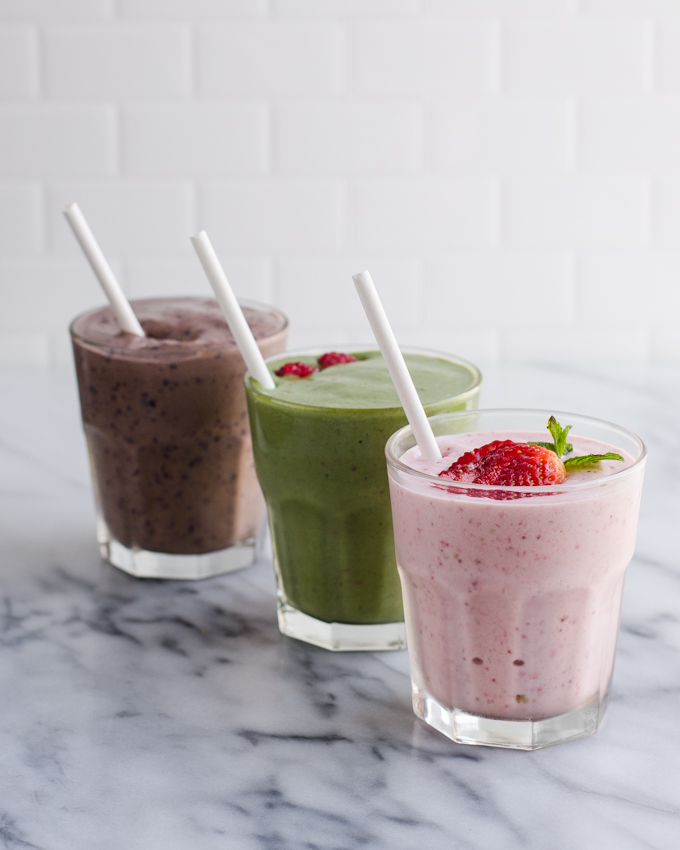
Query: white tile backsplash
x=665, y=213
x=281, y=216
x=430, y=213
x=586, y=342
x=194, y=140
x=667, y=55
x=21, y=219
x=154, y=277
x=117, y=61
x=19, y=65
x=192, y=10
x=56, y=10
x=632, y=8
x=42, y=295
x=500, y=134
x=574, y=212
x=316, y=293
x=501, y=8
x=348, y=138
x=507, y=286
x=47, y=140
x=633, y=135
x=423, y=58
x=576, y=57
x=345, y=9
x=630, y=287
x=270, y=59
x=128, y=217
x=24, y=349
x=483, y=158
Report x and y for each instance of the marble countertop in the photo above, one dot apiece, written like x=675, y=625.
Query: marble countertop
x=140, y=714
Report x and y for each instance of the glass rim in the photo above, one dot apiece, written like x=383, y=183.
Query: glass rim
x=445, y=484
x=316, y=350
x=244, y=302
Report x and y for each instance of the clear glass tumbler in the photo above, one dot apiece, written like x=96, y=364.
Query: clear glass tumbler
x=321, y=465
x=512, y=595
x=166, y=424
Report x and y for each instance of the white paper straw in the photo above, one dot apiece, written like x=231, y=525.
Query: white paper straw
x=119, y=303
x=232, y=311
x=401, y=378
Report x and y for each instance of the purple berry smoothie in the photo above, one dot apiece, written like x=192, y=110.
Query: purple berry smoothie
x=167, y=425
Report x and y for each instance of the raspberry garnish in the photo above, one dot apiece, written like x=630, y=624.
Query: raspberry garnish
x=334, y=358
x=297, y=369
x=506, y=463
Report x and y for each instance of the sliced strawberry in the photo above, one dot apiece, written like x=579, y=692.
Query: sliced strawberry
x=335, y=358
x=297, y=369
x=505, y=462
x=467, y=467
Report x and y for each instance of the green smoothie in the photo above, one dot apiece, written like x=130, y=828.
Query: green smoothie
x=319, y=446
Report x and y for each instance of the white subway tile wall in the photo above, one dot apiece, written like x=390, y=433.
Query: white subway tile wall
x=116, y=61
x=18, y=62
x=509, y=170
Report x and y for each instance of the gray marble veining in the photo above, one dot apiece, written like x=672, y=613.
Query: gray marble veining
x=139, y=715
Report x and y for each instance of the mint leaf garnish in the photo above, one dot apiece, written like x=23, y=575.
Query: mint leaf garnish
x=560, y=446
x=559, y=435
x=589, y=460
x=551, y=446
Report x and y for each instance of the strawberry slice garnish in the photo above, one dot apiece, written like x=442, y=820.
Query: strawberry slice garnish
x=297, y=369
x=505, y=462
x=335, y=358
x=468, y=466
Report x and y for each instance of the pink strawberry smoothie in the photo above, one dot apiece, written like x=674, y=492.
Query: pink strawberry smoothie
x=512, y=605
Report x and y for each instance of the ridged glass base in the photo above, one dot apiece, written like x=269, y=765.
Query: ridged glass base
x=464, y=728
x=144, y=564
x=339, y=637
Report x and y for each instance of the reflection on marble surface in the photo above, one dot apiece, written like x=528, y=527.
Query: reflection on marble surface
x=143, y=714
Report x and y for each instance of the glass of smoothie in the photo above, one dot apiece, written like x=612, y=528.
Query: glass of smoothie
x=166, y=424
x=319, y=446
x=512, y=594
